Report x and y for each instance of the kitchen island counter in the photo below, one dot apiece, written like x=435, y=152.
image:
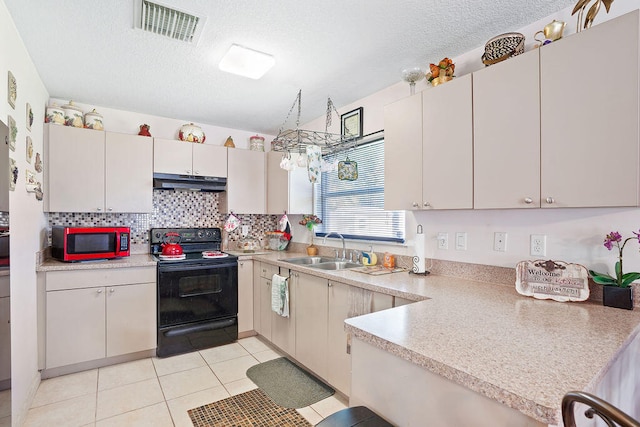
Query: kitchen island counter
x=522, y=352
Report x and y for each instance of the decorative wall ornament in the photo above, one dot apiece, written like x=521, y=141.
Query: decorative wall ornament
x=29, y=116
x=13, y=174
x=12, y=89
x=38, y=163
x=29, y=149
x=591, y=14
x=13, y=133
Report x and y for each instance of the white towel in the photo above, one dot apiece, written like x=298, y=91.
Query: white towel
x=280, y=295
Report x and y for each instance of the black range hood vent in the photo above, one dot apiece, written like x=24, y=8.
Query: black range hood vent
x=167, y=181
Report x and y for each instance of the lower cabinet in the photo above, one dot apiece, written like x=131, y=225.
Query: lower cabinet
x=93, y=314
x=5, y=340
x=245, y=297
x=263, y=273
x=312, y=323
x=283, y=329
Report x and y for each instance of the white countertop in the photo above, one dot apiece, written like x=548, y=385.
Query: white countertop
x=135, y=260
x=523, y=352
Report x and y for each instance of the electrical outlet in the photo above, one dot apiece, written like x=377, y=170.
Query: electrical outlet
x=461, y=241
x=245, y=230
x=500, y=241
x=538, y=245
x=443, y=240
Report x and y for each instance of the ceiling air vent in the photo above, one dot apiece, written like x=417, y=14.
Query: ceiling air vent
x=167, y=21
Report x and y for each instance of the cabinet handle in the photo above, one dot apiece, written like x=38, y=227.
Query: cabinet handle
x=189, y=171
x=415, y=205
x=99, y=291
x=550, y=200
x=528, y=200
x=110, y=209
x=426, y=204
x=197, y=172
x=99, y=209
x=330, y=284
x=112, y=290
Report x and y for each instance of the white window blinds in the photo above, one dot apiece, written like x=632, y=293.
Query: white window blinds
x=355, y=209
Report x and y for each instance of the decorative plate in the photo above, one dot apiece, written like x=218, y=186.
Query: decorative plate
x=29, y=116
x=12, y=90
x=29, y=149
x=13, y=174
x=13, y=133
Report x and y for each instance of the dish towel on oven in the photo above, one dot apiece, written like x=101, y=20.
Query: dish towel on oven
x=280, y=295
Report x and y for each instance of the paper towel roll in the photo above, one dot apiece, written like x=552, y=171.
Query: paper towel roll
x=418, y=259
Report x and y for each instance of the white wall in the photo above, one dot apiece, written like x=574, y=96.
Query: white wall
x=573, y=235
x=27, y=219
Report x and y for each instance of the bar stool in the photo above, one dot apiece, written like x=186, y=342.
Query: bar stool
x=357, y=416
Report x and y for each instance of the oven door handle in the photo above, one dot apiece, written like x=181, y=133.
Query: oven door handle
x=209, y=326
x=200, y=266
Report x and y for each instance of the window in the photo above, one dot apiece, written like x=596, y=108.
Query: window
x=355, y=209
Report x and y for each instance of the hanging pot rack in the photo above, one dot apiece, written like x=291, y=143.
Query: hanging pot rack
x=296, y=140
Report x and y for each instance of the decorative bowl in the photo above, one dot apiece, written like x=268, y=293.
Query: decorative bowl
x=441, y=79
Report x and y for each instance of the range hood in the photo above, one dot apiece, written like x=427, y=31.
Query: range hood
x=167, y=181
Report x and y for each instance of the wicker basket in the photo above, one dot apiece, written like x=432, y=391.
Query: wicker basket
x=503, y=47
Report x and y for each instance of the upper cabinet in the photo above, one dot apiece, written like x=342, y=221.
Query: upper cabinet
x=589, y=116
x=429, y=149
x=246, y=181
x=188, y=158
x=287, y=191
x=96, y=171
x=506, y=132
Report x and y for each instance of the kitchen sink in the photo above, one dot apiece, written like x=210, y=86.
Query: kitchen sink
x=322, y=263
x=335, y=265
x=309, y=260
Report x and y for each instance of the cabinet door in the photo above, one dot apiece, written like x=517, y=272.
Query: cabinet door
x=447, y=152
x=506, y=134
x=257, y=298
x=246, y=182
x=403, y=154
x=75, y=326
x=589, y=116
x=245, y=296
x=283, y=329
x=129, y=173
x=265, y=308
x=131, y=318
x=5, y=339
x=311, y=323
x=75, y=169
x=338, y=358
x=209, y=160
x=277, y=185
x=300, y=190
x=171, y=156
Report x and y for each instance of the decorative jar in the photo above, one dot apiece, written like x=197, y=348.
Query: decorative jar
x=93, y=120
x=191, y=133
x=54, y=114
x=72, y=115
x=256, y=143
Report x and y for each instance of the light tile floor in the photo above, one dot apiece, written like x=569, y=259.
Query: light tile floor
x=155, y=392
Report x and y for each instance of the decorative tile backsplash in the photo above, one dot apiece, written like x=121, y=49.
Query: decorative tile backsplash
x=170, y=209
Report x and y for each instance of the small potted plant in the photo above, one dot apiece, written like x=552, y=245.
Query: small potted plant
x=310, y=221
x=617, y=291
x=443, y=72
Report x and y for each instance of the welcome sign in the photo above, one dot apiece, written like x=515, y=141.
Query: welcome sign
x=556, y=280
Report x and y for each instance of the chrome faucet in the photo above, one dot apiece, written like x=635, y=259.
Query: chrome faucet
x=344, y=249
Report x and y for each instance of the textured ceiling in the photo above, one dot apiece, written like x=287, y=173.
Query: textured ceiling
x=346, y=49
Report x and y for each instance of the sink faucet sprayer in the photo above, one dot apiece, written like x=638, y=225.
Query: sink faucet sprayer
x=344, y=250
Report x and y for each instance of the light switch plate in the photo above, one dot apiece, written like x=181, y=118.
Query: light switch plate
x=443, y=240
x=500, y=241
x=461, y=241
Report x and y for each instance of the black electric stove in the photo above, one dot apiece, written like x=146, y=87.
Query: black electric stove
x=197, y=295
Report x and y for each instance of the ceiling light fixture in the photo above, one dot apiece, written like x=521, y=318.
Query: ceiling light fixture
x=246, y=62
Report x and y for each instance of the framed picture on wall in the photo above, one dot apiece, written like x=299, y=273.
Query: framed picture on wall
x=12, y=89
x=351, y=123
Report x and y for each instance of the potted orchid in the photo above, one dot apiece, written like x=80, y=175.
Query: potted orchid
x=310, y=221
x=617, y=291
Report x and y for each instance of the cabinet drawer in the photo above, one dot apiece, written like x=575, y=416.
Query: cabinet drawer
x=4, y=286
x=58, y=280
x=268, y=270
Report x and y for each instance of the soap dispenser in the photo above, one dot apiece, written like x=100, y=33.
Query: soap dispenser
x=369, y=258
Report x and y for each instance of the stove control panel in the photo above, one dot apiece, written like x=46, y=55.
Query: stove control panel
x=187, y=235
